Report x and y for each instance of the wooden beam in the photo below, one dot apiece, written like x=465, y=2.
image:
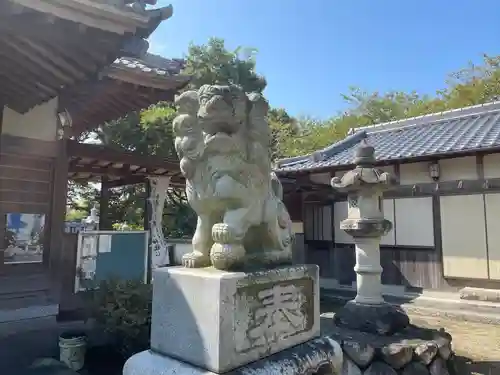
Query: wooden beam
x=96, y=170
x=105, y=153
x=175, y=181
x=129, y=180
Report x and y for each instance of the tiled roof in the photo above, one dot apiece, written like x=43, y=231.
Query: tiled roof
x=468, y=129
x=151, y=64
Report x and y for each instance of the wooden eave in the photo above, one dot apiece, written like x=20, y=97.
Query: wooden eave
x=92, y=161
x=110, y=99
x=41, y=57
x=151, y=78
x=92, y=14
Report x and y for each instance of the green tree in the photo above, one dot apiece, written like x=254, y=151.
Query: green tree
x=475, y=84
x=213, y=63
x=149, y=132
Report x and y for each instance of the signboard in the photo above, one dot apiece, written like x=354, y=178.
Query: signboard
x=104, y=255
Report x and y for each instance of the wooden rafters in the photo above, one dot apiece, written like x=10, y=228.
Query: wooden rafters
x=92, y=14
x=109, y=100
x=92, y=162
x=41, y=56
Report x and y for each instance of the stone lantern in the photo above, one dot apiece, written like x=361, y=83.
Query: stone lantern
x=365, y=222
x=92, y=221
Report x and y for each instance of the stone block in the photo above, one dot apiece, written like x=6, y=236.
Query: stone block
x=221, y=320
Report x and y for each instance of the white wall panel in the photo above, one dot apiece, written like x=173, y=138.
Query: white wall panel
x=458, y=169
x=491, y=165
x=464, y=236
x=415, y=224
x=414, y=173
x=492, y=204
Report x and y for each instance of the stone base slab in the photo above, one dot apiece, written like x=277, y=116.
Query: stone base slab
x=383, y=319
x=219, y=320
x=321, y=354
x=479, y=294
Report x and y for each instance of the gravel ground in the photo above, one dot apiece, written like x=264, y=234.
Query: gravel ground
x=477, y=344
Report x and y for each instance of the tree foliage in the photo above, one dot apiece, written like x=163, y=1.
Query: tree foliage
x=475, y=84
x=149, y=132
x=213, y=63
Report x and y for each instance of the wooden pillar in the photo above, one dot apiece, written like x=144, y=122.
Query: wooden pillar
x=104, y=219
x=54, y=256
x=147, y=205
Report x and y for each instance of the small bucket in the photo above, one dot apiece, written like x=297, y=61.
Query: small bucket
x=72, y=349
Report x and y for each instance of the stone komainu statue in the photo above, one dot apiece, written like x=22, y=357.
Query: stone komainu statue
x=223, y=143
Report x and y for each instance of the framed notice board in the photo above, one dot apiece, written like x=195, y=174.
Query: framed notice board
x=105, y=255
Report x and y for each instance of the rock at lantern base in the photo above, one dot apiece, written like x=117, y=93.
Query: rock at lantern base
x=220, y=320
x=381, y=319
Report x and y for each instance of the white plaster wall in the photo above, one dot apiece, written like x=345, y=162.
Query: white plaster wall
x=491, y=164
x=39, y=123
x=340, y=213
x=179, y=250
x=414, y=173
x=388, y=168
x=414, y=221
x=458, y=169
x=464, y=236
x=493, y=233
x=450, y=170
x=298, y=227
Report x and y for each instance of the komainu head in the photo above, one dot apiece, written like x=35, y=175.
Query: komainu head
x=222, y=108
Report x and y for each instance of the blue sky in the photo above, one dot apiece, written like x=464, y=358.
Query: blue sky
x=312, y=51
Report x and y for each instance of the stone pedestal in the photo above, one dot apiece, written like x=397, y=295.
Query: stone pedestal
x=219, y=320
x=322, y=355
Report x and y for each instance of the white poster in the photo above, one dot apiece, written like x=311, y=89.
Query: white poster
x=89, y=246
x=105, y=243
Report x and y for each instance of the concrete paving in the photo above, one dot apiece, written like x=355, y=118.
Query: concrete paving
x=433, y=304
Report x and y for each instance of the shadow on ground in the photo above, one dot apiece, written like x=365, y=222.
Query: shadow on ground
x=467, y=366
x=18, y=351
